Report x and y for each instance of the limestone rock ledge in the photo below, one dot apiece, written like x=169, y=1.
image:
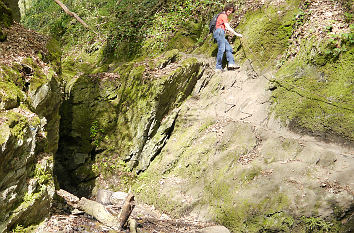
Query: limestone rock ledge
x=30, y=98
x=28, y=140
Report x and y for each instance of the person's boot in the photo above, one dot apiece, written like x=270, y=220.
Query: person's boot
x=233, y=67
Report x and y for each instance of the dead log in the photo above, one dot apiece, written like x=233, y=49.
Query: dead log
x=72, y=14
x=71, y=199
x=101, y=212
x=126, y=210
x=98, y=211
x=132, y=225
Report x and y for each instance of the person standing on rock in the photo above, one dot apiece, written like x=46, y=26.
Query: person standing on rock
x=219, y=35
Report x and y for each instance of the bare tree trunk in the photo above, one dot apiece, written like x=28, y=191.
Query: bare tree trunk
x=126, y=210
x=67, y=11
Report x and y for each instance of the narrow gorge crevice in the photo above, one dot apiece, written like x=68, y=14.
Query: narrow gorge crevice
x=122, y=118
x=75, y=156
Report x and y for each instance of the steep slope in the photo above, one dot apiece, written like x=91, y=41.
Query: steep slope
x=229, y=160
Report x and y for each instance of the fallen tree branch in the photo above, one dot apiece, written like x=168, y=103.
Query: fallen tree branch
x=70, y=199
x=126, y=210
x=72, y=14
x=102, y=213
x=99, y=212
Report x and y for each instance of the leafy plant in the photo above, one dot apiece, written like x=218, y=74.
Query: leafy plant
x=316, y=224
x=329, y=28
x=339, y=44
x=96, y=133
x=19, y=228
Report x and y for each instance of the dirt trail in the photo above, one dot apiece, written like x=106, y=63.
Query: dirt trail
x=242, y=95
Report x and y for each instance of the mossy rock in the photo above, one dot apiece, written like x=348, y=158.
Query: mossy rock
x=29, y=202
x=267, y=32
x=53, y=57
x=12, y=75
x=209, y=47
x=36, y=200
x=317, y=99
x=10, y=96
x=181, y=41
x=168, y=57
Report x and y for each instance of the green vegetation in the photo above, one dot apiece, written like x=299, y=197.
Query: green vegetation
x=43, y=174
x=19, y=124
x=54, y=55
x=11, y=95
x=242, y=216
x=125, y=29
x=249, y=174
x=22, y=229
x=206, y=125
x=96, y=133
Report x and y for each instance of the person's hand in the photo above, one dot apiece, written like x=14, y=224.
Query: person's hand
x=238, y=34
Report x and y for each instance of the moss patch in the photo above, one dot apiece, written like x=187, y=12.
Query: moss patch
x=268, y=215
x=267, y=31
x=53, y=57
x=18, y=124
x=181, y=42
x=10, y=95
x=317, y=99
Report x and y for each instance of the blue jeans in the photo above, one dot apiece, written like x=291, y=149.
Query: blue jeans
x=223, y=46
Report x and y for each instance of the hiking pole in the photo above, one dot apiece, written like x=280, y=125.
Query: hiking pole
x=244, y=53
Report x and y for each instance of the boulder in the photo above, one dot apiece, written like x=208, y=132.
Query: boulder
x=104, y=196
x=117, y=198
x=107, y=197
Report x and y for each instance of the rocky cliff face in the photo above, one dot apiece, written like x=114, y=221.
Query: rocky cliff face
x=126, y=115
x=29, y=121
x=229, y=157
x=267, y=148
